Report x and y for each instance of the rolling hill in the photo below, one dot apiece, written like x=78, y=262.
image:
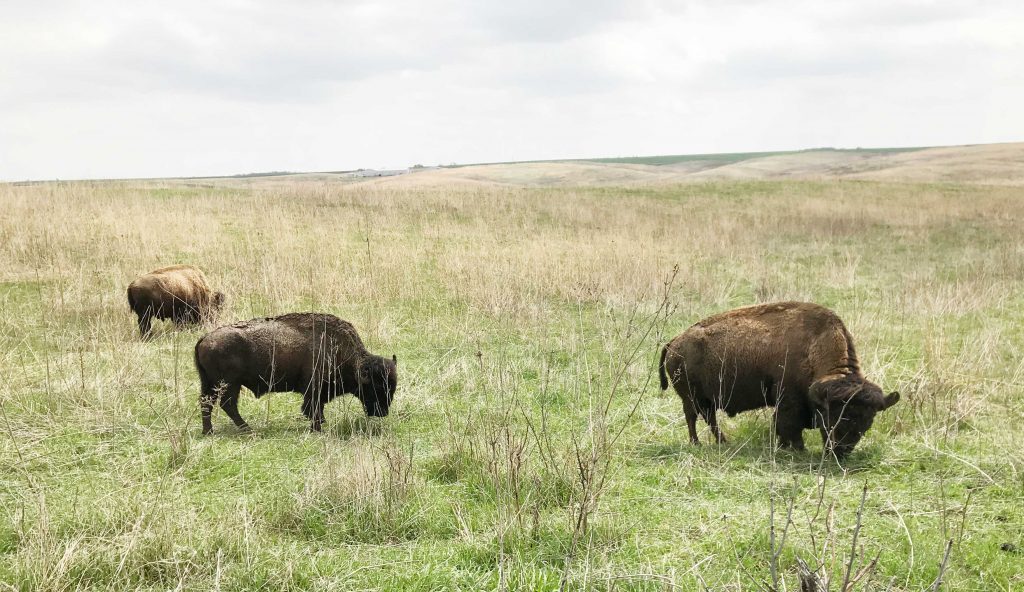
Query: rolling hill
x=1000, y=164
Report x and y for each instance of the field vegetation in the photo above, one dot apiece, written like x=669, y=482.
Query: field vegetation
x=529, y=447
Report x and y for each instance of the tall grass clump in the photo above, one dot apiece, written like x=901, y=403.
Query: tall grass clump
x=366, y=493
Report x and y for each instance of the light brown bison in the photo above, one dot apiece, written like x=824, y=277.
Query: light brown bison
x=795, y=356
x=179, y=292
x=318, y=355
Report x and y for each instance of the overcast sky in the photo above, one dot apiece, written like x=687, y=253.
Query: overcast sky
x=140, y=89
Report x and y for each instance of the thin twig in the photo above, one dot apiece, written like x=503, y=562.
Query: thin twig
x=853, y=544
x=942, y=567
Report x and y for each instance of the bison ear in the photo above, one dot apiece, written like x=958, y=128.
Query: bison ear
x=394, y=358
x=890, y=400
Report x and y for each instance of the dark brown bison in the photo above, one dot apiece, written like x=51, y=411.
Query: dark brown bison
x=178, y=292
x=795, y=356
x=318, y=355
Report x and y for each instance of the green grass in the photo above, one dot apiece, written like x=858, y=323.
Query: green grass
x=516, y=315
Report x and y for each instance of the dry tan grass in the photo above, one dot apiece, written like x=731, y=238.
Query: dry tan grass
x=514, y=311
x=998, y=164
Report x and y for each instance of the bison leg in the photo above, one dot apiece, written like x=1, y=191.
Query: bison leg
x=789, y=412
x=790, y=432
x=691, y=423
x=313, y=409
x=711, y=416
x=690, y=412
x=206, y=410
x=189, y=316
x=179, y=317
x=229, y=403
x=208, y=395
x=316, y=416
x=789, y=437
x=709, y=411
x=145, y=322
x=687, y=391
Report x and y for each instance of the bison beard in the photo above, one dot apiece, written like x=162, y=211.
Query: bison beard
x=318, y=355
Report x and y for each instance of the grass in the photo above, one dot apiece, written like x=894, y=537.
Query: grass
x=529, y=446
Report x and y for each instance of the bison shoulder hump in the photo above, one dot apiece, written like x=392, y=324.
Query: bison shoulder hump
x=338, y=329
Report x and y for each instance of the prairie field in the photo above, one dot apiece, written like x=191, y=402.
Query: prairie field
x=529, y=446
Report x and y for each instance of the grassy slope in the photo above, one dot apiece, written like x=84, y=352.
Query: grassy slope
x=734, y=157
x=713, y=159
x=514, y=314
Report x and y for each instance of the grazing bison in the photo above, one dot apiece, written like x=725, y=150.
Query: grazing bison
x=318, y=355
x=795, y=356
x=178, y=292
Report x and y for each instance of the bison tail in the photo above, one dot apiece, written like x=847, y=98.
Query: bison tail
x=661, y=368
x=131, y=299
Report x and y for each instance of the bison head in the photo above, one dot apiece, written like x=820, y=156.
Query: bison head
x=378, y=378
x=844, y=410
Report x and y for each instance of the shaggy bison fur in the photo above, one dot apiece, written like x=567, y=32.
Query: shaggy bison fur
x=179, y=293
x=318, y=355
x=795, y=356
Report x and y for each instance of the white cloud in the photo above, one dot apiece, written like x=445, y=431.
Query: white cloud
x=114, y=89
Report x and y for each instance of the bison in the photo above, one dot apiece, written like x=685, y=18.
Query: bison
x=318, y=355
x=178, y=292
x=795, y=356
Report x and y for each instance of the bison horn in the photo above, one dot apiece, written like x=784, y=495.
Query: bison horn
x=890, y=400
x=818, y=394
x=394, y=358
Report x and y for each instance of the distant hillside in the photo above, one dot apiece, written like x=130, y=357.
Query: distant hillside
x=710, y=159
x=734, y=157
x=997, y=164
x=1001, y=164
